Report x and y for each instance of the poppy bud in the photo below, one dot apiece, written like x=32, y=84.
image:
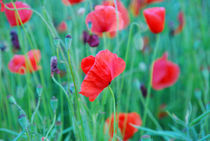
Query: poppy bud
x=39, y=90
x=143, y=90
x=15, y=40
x=53, y=65
x=54, y=103
x=2, y=46
x=11, y=99
x=68, y=40
x=85, y=36
x=93, y=40
x=23, y=121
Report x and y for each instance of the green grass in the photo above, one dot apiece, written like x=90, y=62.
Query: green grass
x=78, y=119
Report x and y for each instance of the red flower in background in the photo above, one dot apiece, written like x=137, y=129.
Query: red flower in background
x=100, y=71
x=71, y=2
x=155, y=18
x=165, y=73
x=124, y=121
x=153, y=1
x=122, y=10
x=62, y=27
x=162, y=111
x=181, y=23
x=2, y=6
x=103, y=19
x=137, y=5
x=13, y=18
x=22, y=64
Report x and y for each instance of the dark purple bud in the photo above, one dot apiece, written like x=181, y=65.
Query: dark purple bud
x=93, y=40
x=171, y=28
x=14, y=40
x=53, y=65
x=85, y=36
x=2, y=46
x=143, y=90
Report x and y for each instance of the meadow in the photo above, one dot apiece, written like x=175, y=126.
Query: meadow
x=52, y=89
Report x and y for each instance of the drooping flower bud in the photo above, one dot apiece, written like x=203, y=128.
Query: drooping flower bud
x=3, y=46
x=15, y=41
x=11, y=99
x=39, y=90
x=68, y=40
x=23, y=121
x=53, y=65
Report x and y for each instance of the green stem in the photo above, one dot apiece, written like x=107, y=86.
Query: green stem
x=114, y=113
x=76, y=92
x=149, y=88
x=51, y=127
x=36, y=109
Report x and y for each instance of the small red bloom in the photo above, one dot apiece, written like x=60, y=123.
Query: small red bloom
x=124, y=121
x=62, y=27
x=103, y=19
x=181, y=23
x=165, y=73
x=71, y=2
x=13, y=18
x=100, y=71
x=22, y=64
x=155, y=18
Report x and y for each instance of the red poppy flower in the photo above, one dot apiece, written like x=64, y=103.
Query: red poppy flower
x=165, y=73
x=71, y=2
x=12, y=17
x=103, y=19
x=181, y=23
x=122, y=10
x=22, y=64
x=124, y=121
x=62, y=27
x=2, y=6
x=137, y=5
x=155, y=18
x=100, y=71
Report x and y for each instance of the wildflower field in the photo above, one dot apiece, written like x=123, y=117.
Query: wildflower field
x=104, y=70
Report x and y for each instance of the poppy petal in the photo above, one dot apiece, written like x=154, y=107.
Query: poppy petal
x=106, y=67
x=87, y=63
x=165, y=73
